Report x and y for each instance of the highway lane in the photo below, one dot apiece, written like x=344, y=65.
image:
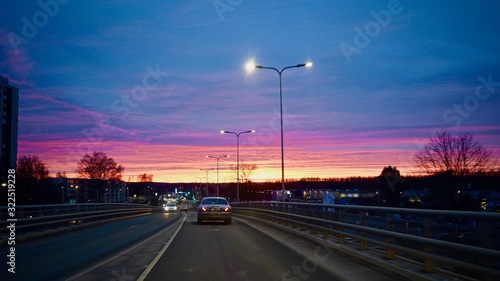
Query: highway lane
x=215, y=251
x=59, y=257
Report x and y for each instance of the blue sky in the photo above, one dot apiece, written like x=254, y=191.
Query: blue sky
x=151, y=83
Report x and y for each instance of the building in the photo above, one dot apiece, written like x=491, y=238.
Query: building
x=9, y=104
x=75, y=190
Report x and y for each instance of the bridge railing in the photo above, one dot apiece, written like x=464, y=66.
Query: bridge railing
x=40, y=218
x=462, y=243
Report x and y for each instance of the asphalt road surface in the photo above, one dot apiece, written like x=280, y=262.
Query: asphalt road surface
x=61, y=256
x=215, y=251
x=175, y=247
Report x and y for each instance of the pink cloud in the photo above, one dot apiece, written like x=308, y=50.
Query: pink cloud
x=16, y=61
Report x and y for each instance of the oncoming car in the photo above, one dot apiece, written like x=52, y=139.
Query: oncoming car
x=184, y=207
x=170, y=207
x=214, y=208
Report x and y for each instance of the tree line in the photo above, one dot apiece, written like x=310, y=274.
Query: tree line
x=450, y=160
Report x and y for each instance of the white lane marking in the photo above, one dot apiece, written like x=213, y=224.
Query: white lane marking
x=126, y=251
x=157, y=258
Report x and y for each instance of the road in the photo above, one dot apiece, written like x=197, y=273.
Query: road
x=59, y=257
x=175, y=247
x=215, y=251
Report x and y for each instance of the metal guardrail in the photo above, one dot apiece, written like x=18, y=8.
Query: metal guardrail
x=453, y=242
x=39, y=218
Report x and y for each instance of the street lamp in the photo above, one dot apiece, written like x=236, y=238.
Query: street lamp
x=237, y=158
x=251, y=66
x=219, y=157
x=206, y=188
x=196, y=187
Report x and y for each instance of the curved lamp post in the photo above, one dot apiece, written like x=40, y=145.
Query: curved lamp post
x=206, y=170
x=252, y=66
x=219, y=157
x=237, y=158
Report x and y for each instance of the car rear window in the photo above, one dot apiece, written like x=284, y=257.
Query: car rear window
x=214, y=201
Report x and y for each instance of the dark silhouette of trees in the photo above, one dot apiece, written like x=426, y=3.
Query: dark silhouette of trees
x=99, y=166
x=30, y=175
x=31, y=167
x=390, y=185
x=450, y=161
x=461, y=155
x=245, y=171
x=61, y=175
x=145, y=177
x=100, y=169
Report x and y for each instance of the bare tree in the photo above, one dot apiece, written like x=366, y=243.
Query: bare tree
x=245, y=171
x=31, y=167
x=99, y=166
x=145, y=178
x=461, y=155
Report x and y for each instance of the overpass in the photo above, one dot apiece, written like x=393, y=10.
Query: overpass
x=267, y=240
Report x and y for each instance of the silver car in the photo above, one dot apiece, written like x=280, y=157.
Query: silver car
x=170, y=207
x=214, y=208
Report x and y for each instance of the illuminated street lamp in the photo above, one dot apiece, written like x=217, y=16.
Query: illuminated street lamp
x=251, y=66
x=237, y=159
x=219, y=157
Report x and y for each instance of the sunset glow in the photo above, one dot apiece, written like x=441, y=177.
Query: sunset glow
x=152, y=86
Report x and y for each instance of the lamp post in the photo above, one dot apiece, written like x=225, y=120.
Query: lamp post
x=217, y=157
x=237, y=159
x=196, y=187
x=206, y=188
x=252, y=66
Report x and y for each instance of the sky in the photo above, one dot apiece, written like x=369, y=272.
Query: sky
x=151, y=83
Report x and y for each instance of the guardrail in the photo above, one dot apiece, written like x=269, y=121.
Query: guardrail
x=41, y=218
x=455, y=243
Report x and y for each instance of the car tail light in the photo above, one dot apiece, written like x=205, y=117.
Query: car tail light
x=203, y=209
x=227, y=209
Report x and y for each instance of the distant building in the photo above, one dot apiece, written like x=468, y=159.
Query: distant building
x=9, y=104
x=74, y=190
